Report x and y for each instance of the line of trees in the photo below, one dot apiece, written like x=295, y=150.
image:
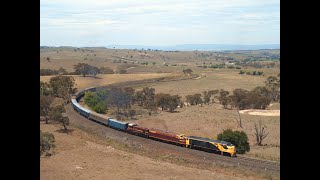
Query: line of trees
x=258, y=98
x=57, y=87
x=80, y=69
x=49, y=72
x=254, y=73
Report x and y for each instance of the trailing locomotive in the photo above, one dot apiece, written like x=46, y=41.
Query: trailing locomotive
x=194, y=142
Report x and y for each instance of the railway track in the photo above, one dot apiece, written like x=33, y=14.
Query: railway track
x=192, y=155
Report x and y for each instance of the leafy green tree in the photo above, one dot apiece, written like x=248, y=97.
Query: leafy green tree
x=100, y=107
x=63, y=87
x=46, y=143
x=238, y=138
x=96, y=100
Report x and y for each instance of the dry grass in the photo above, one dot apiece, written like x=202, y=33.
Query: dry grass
x=218, y=79
x=210, y=120
x=79, y=155
x=106, y=79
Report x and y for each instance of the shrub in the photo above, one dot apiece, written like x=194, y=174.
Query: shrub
x=238, y=138
x=100, y=107
x=46, y=143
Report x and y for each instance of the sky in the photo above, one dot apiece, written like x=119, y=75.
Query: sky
x=84, y=23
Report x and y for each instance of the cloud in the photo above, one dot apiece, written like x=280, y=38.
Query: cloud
x=127, y=19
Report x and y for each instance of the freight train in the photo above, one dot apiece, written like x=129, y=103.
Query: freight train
x=194, y=142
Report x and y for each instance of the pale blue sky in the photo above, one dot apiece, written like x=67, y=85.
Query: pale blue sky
x=161, y=22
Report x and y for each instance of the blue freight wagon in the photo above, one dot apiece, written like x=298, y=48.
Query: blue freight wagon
x=117, y=124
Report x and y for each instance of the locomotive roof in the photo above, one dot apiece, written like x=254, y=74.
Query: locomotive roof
x=210, y=140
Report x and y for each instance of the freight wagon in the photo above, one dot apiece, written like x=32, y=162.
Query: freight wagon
x=167, y=136
x=117, y=124
x=137, y=130
x=210, y=145
x=99, y=118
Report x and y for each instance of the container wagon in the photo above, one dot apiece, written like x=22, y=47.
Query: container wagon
x=102, y=119
x=167, y=136
x=210, y=145
x=84, y=112
x=117, y=124
x=137, y=130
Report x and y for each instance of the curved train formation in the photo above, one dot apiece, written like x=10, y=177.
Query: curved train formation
x=200, y=143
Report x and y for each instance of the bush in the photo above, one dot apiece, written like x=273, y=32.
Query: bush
x=100, y=107
x=46, y=143
x=123, y=71
x=238, y=138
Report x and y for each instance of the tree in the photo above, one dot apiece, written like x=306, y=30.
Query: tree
x=100, y=107
x=166, y=101
x=206, y=97
x=57, y=114
x=96, y=100
x=63, y=71
x=149, y=94
x=106, y=70
x=273, y=83
x=132, y=113
x=122, y=71
x=224, y=99
x=174, y=102
x=187, y=71
x=63, y=87
x=153, y=63
x=46, y=143
x=161, y=100
x=93, y=71
x=119, y=98
x=45, y=102
x=194, y=99
x=238, y=138
x=260, y=133
x=45, y=89
x=82, y=68
x=239, y=98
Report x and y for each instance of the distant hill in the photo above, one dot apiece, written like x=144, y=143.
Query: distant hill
x=200, y=47
x=188, y=47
